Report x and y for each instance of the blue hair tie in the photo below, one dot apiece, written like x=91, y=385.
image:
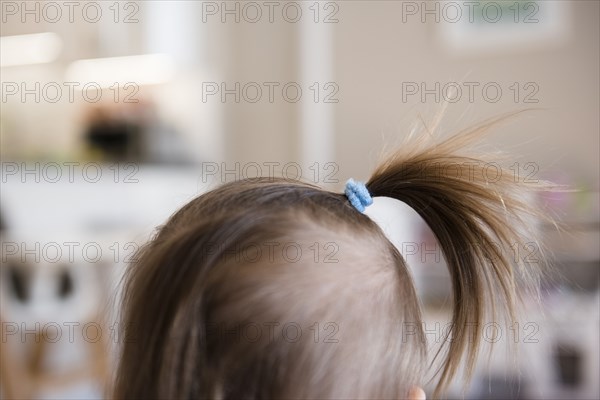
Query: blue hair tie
x=358, y=195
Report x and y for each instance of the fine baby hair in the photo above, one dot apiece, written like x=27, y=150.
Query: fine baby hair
x=214, y=309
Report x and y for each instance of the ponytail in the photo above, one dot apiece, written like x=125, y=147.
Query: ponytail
x=477, y=211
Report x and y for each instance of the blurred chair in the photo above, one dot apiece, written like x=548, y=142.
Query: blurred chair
x=46, y=351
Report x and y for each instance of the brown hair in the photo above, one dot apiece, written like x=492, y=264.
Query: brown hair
x=208, y=304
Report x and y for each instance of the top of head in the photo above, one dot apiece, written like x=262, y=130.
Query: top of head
x=278, y=271
x=237, y=293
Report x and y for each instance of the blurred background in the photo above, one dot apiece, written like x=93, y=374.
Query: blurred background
x=115, y=114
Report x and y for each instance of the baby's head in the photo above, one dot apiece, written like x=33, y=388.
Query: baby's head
x=266, y=288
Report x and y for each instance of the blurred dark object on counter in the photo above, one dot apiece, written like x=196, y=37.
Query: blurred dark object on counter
x=113, y=137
